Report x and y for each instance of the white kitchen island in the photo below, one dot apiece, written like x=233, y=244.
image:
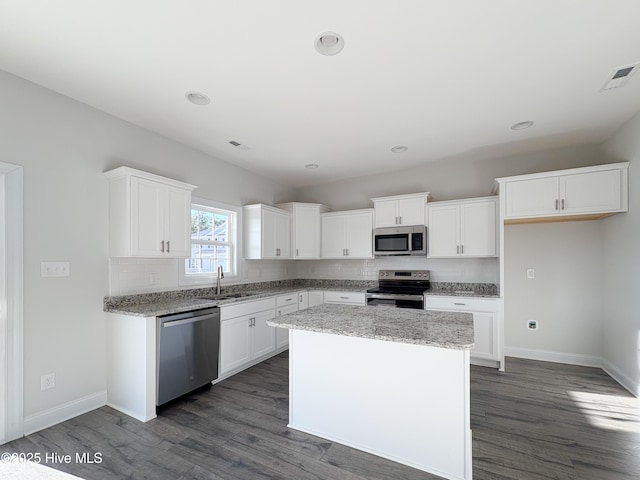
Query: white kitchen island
x=388, y=381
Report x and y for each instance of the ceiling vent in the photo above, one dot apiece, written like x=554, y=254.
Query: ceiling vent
x=620, y=77
x=238, y=145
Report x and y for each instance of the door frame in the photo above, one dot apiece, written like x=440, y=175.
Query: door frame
x=12, y=295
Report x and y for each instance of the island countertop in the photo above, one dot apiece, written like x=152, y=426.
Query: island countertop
x=453, y=330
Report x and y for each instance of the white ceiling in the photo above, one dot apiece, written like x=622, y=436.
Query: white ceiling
x=441, y=77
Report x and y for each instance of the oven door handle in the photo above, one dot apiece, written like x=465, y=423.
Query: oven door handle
x=395, y=297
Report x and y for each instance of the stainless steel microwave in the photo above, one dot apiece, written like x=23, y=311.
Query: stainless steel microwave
x=410, y=240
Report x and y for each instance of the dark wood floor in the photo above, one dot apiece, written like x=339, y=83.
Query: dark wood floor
x=539, y=421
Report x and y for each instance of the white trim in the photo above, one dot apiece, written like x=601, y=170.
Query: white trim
x=55, y=415
x=209, y=280
x=557, y=357
x=614, y=372
x=14, y=290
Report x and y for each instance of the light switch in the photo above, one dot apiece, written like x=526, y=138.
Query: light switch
x=54, y=269
x=531, y=273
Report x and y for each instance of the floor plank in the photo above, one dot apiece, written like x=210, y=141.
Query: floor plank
x=538, y=421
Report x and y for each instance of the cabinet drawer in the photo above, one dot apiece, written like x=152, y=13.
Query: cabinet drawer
x=286, y=309
x=289, y=299
x=246, y=308
x=354, y=298
x=462, y=303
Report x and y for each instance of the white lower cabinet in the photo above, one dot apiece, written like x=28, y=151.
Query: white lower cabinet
x=244, y=333
x=287, y=304
x=486, y=324
x=316, y=297
x=347, y=298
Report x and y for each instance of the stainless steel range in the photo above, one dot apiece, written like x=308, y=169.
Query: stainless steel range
x=400, y=288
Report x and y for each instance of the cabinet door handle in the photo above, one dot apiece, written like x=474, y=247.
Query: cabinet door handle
x=297, y=252
x=400, y=217
x=563, y=204
x=556, y=204
x=344, y=298
x=300, y=298
x=457, y=249
x=461, y=249
x=168, y=245
x=162, y=246
x=459, y=303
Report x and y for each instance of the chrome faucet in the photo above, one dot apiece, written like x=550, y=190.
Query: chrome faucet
x=218, y=277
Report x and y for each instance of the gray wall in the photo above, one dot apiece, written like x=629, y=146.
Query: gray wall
x=565, y=297
x=459, y=177
x=64, y=147
x=621, y=272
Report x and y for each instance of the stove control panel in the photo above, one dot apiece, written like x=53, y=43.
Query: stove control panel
x=404, y=274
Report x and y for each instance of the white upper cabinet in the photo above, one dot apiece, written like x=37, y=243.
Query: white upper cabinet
x=305, y=228
x=400, y=210
x=348, y=234
x=589, y=191
x=463, y=228
x=149, y=215
x=267, y=232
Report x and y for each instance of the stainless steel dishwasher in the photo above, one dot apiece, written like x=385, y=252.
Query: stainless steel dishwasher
x=188, y=352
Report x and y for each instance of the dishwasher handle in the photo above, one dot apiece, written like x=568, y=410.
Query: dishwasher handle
x=176, y=323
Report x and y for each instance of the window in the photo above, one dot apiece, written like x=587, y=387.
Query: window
x=213, y=242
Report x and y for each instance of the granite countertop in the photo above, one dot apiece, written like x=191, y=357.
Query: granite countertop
x=452, y=330
x=166, y=303
x=176, y=301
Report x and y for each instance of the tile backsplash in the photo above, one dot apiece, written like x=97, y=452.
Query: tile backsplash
x=474, y=270
x=129, y=276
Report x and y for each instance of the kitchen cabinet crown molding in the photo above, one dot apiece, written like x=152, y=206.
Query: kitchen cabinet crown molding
x=132, y=172
x=426, y=195
x=459, y=201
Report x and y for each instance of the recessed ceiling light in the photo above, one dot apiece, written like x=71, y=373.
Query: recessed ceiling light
x=399, y=149
x=521, y=125
x=329, y=43
x=311, y=166
x=197, y=98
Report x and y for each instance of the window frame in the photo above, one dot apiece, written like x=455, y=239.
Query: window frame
x=209, y=279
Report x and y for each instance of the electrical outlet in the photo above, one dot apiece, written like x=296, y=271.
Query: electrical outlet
x=54, y=269
x=532, y=324
x=531, y=273
x=47, y=381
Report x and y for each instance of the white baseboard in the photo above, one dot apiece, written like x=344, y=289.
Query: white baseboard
x=55, y=415
x=551, y=356
x=620, y=377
